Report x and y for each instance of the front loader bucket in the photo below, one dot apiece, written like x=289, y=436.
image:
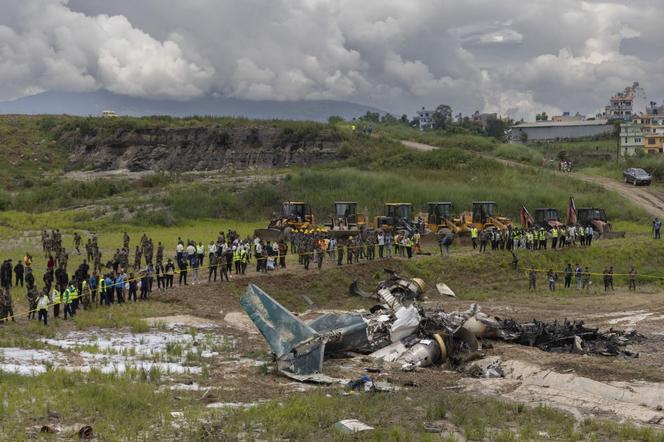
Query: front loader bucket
x=430, y=240
x=271, y=235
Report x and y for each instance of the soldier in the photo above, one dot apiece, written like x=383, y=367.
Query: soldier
x=77, y=242
x=32, y=296
x=88, y=250
x=610, y=278
x=125, y=240
x=96, y=266
x=552, y=277
x=632, y=279
x=532, y=278
x=137, y=258
x=64, y=258
x=160, y=252
x=9, y=305
x=585, y=283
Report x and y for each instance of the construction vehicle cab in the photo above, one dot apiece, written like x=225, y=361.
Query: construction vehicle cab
x=397, y=216
x=586, y=215
x=483, y=211
x=547, y=218
x=346, y=218
x=483, y=217
x=296, y=212
x=439, y=217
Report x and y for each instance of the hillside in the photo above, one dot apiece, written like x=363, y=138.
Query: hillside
x=261, y=164
x=93, y=103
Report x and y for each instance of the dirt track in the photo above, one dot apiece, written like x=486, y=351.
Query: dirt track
x=648, y=199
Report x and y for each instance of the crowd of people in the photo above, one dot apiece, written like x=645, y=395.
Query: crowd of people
x=122, y=279
x=582, y=278
x=533, y=238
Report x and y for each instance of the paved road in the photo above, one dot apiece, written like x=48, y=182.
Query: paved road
x=650, y=200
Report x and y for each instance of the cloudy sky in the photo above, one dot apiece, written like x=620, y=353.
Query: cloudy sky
x=514, y=57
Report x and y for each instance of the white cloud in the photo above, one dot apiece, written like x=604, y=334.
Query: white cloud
x=512, y=57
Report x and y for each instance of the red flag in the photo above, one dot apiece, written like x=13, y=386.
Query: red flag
x=526, y=220
x=571, y=211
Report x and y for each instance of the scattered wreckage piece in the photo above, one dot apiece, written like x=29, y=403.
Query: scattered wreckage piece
x=394, y=292
x=443, y=289
x=352, y=426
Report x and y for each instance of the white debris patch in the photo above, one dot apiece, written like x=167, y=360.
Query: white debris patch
x=582, y=397
x=118, y=351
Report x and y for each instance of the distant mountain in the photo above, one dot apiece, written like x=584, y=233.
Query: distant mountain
x=93, y=103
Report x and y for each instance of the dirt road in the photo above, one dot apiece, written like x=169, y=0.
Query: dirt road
x=648, y=199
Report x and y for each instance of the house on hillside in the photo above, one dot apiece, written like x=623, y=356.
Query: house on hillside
x=548, y=131
x=483, y=119
x=425, y=118
x=652, y=127
x=631, y=138
x=625, y=105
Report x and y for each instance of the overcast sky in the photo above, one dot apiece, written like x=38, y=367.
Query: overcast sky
x=514, y=57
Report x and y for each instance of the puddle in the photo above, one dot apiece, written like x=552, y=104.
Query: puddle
x=117, y=351
x=580, y=396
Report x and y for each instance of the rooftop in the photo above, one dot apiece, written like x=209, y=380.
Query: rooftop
x=563, y=123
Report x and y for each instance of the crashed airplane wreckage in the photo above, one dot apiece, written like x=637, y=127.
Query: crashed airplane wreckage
x=399, y=330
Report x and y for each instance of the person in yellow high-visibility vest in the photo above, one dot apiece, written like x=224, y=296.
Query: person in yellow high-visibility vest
x=474, y=234
x=67, y=300
x=73, y=295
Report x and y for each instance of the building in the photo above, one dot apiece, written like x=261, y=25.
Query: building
x=483, y=119
x=566, y=116
x=631, y=138
x=426, y=119
x=624, y=105
x=547, y=131
x=109, y=114
x=653, y=109
x=652, y=127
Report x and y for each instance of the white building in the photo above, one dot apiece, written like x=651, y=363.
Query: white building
x=547, y=131
x=625, y=105
x=631, y=138
x=426, y=119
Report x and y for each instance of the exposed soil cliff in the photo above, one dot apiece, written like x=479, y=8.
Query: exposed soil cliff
x=198, y=148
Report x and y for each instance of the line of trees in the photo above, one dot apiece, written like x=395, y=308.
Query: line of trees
x=443, y=119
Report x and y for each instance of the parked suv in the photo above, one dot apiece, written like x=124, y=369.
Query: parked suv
x=637, y=176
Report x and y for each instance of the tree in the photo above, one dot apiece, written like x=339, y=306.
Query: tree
x=404, y=119
x=442, y=116
x=496, y=128
x=541, y=117
x=388, y=118
x=373, y=117
x=335, y=119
